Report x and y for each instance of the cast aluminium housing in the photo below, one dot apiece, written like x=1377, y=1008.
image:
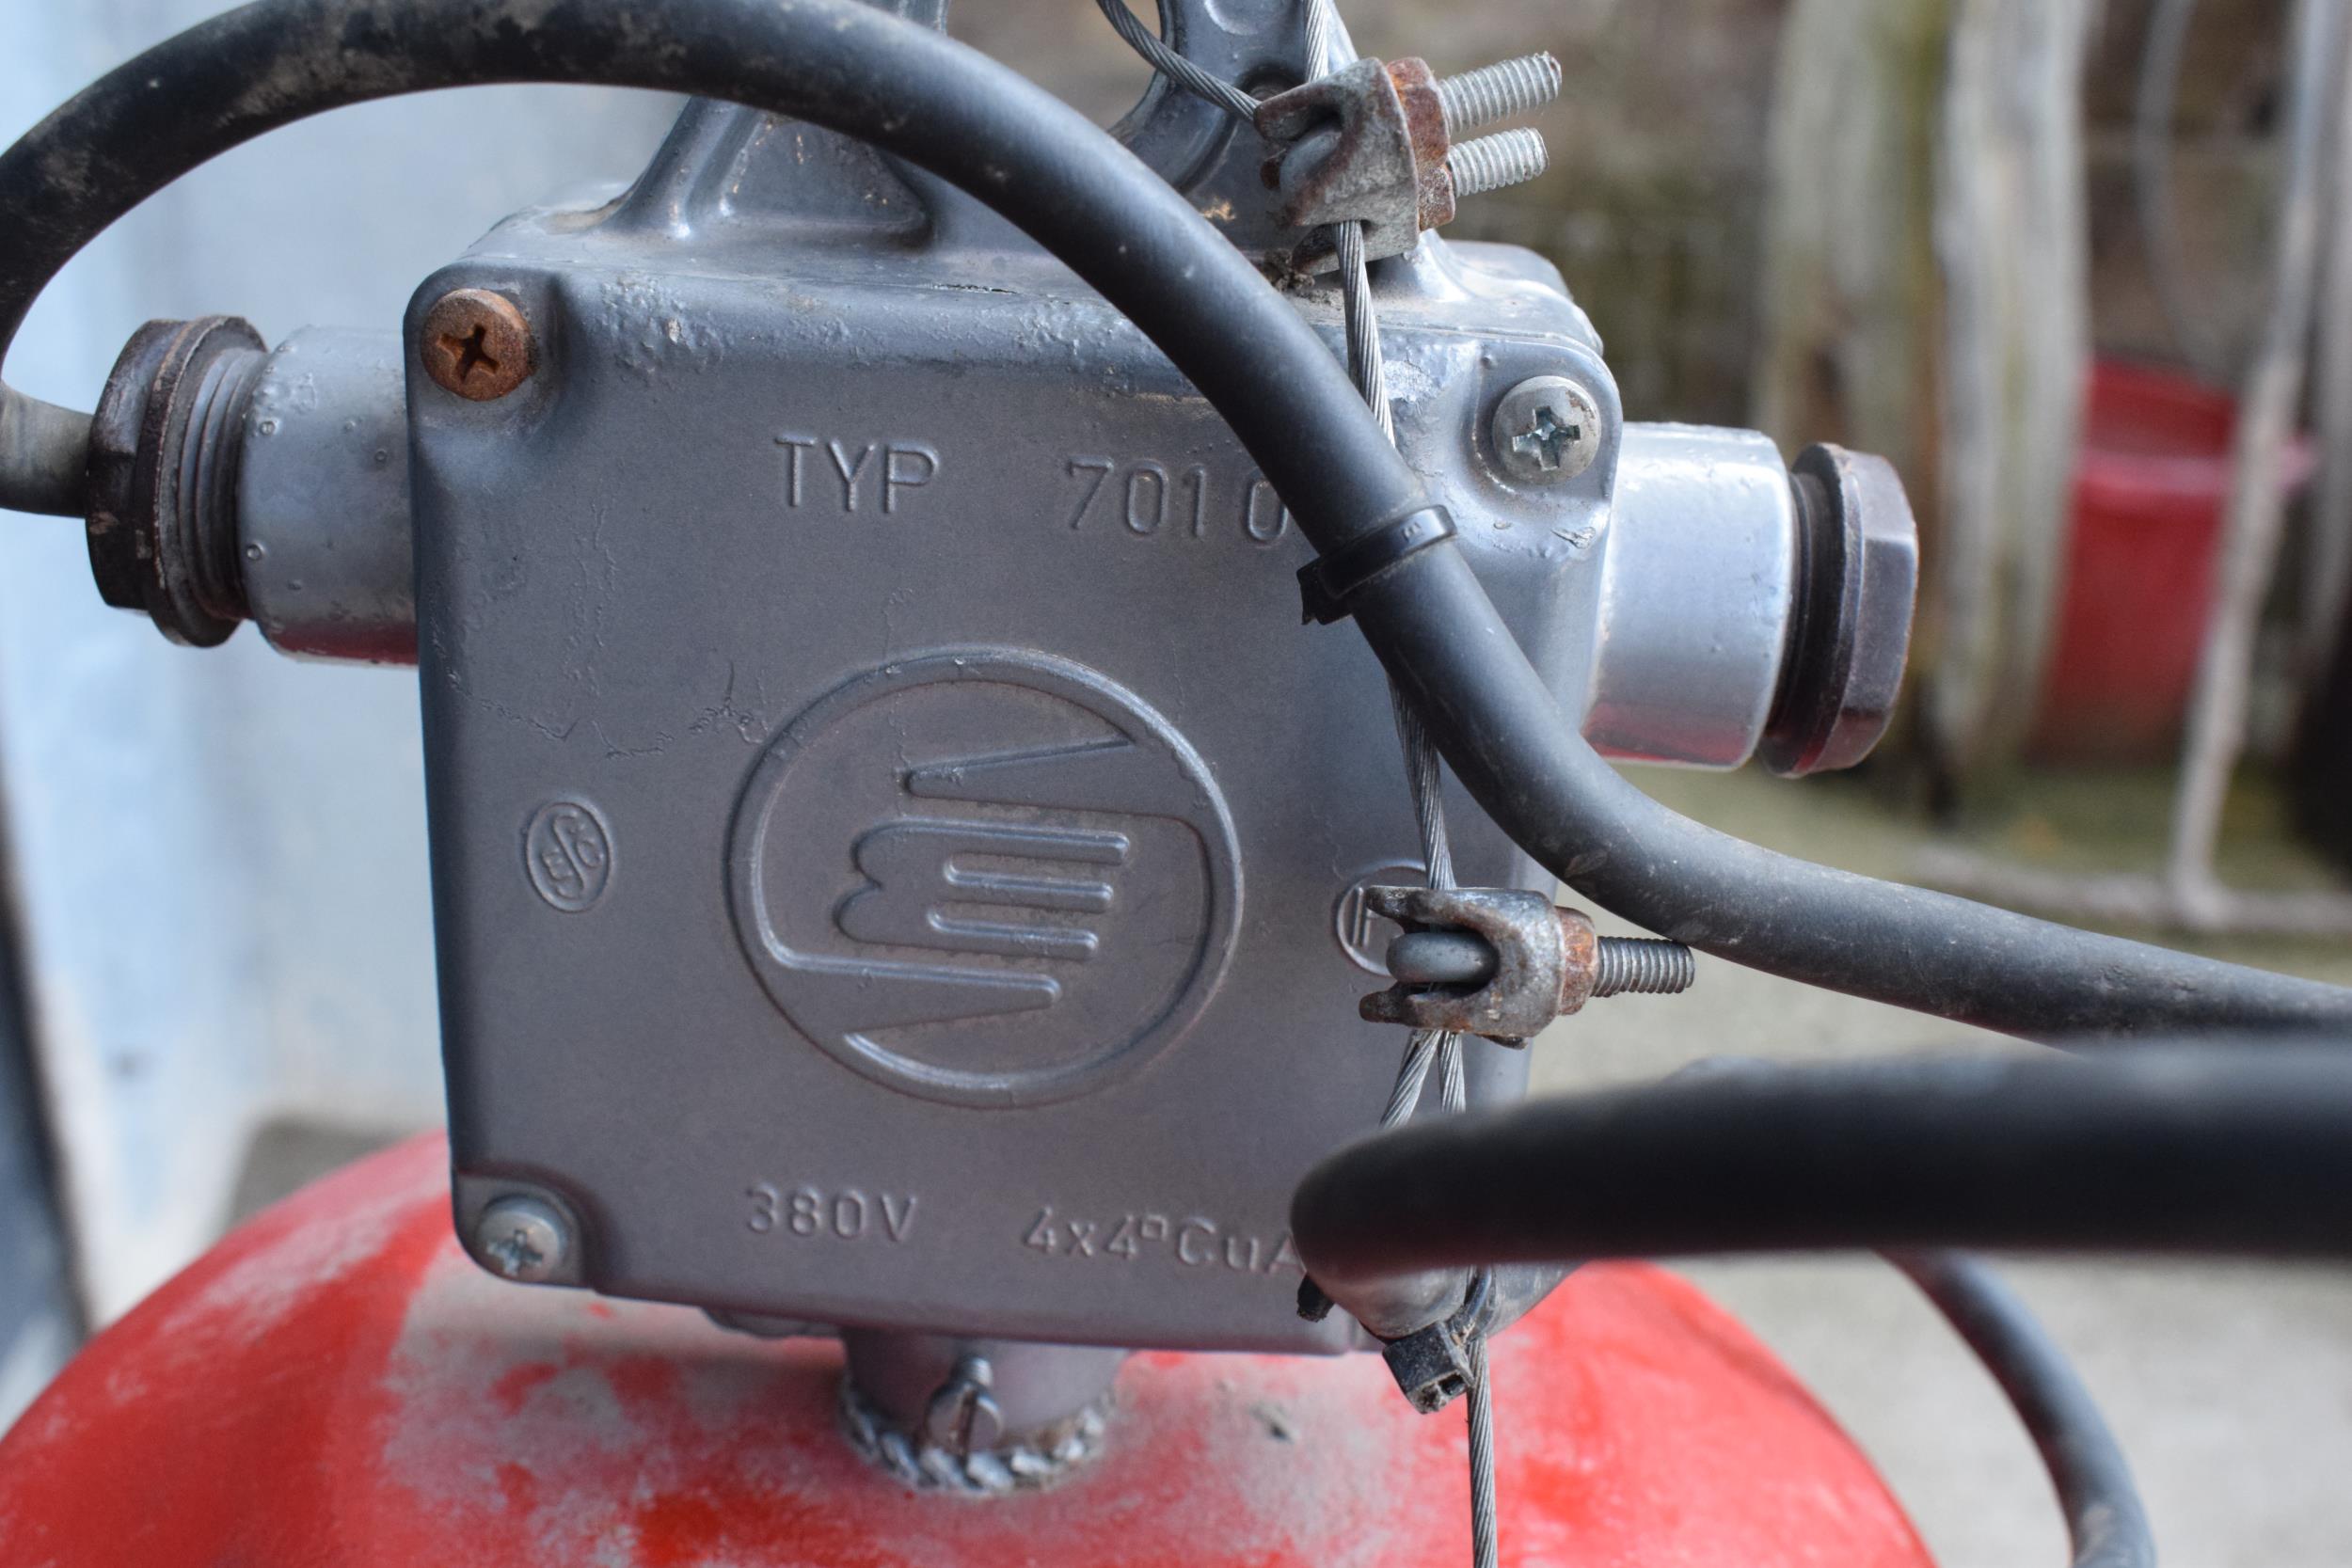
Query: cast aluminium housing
x=895, y=848
x=1701, y=532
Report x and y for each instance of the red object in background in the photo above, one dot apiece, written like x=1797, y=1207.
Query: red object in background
x=2150, y=492
x=336, y=1387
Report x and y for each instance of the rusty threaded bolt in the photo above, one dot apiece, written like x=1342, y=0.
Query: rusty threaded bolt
x=476, y=343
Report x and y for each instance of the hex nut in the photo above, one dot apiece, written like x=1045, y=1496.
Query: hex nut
x=477, y=343
x=163, y=463
x=521, y=1238
x=1417, y=91
x=1547, y=430
x=1859, y=583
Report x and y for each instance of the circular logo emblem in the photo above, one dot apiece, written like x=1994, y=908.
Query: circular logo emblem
x=987, y=878
x=568, y=853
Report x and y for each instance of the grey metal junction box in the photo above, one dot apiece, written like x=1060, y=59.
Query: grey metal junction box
x=893, y=839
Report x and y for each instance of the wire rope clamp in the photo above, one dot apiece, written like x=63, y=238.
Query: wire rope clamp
x=1544, y=966
x=1432, y=1365
x=1366, y=144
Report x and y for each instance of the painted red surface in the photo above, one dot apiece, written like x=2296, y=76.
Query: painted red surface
x=2149, y=489
x=335, y=1386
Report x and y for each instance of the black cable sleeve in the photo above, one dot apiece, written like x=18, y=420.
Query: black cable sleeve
x=1438, y=634
x=946, y=109
x=43, y=455
x=2230, y=1152
x=2105, y=1520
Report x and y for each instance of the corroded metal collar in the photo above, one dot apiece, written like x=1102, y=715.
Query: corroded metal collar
x=163, y=475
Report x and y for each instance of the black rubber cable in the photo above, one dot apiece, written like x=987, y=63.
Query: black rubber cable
x=946, y=109
x=2105, y=1520
x=1438, y=634
x=2236, y=1152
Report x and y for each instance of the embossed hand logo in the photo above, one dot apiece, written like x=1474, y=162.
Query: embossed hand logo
x=1022, y=911
x=987, y=887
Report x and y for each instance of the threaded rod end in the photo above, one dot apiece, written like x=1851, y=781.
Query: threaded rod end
x=1486, y=164
x=1640, y=966
x=1497, y=92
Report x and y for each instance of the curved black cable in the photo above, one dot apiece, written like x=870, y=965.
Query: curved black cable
x=1436, y=633
x=2236, y=1151
x=2106, y=1521
x=946, y=109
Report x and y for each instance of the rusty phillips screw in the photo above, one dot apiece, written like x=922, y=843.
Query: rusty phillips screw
x=477, y=344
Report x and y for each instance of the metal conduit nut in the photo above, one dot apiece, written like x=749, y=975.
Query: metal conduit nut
x=1857, y=580
x=164, y=454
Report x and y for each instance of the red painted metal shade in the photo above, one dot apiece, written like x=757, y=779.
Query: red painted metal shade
x=336, y=1387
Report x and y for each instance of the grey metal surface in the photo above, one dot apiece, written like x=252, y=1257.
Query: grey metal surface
x=970, y=807
x=323, y=500
x=892, y=840
x=1195, y=146
x=1704, y=536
